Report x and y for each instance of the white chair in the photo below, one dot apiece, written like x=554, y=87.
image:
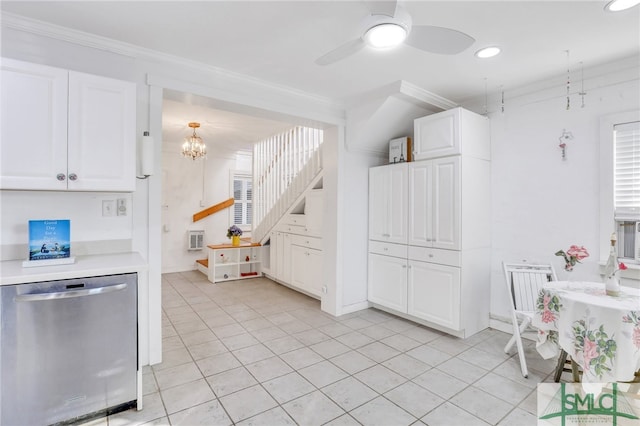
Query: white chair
x=524, y=282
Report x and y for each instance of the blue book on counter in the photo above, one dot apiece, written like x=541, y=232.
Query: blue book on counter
x=49, y=239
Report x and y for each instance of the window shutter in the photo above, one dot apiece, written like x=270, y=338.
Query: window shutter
x=627, y=171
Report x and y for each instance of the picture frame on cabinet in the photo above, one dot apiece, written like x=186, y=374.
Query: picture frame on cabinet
x=400, y=150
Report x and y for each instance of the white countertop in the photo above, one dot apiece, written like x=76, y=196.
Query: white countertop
x=12, y=272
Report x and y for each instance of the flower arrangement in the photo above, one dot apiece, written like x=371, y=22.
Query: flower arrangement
x=621, y=267
x=234, y=231
x=574, y=255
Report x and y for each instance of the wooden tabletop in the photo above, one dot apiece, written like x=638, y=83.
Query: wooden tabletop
x=244, y=243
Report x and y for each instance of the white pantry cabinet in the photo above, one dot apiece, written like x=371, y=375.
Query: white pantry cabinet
x=65, y=130
x=388, y=203
x=440, y=274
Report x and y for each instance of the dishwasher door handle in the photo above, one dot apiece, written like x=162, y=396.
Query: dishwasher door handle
x=69, y=294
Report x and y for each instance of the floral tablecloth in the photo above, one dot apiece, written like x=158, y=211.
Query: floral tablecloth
x=601, y=333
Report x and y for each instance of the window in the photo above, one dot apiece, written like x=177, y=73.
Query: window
x=242, y=194
x=626, y=187
x=620, y=184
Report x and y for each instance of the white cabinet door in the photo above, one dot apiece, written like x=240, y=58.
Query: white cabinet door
x=286, y=265
x=315, y=271
x=388, y=282
x=434, y=293
x=299, y=264
x=33, y=126
x=102, y=143
x=434, y=203
x=420, y=204
x=437, y=135
x=388, y=193
x=306, y=269
x=278, y=255
x=445, y=202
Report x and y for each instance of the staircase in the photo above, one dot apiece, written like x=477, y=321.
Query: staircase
x=284, y=166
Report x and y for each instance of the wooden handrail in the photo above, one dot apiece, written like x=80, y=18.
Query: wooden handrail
x=213, y=209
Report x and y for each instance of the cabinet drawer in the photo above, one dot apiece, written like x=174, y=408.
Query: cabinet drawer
x=293, y=229
x=296, y=219
x=434, y=255
x=388, y=249
x=304, y=241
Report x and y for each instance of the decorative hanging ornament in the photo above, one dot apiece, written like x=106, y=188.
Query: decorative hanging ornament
x=564, y=137
x=502, y=99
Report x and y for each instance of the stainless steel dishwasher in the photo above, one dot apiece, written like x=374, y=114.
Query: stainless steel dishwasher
x=68, y=349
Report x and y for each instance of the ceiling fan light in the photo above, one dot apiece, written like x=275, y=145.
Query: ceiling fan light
x=385, y=36
x=619, y=5
x=488, y=52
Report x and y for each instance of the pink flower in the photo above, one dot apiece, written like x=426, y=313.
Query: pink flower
x=545, y=300
x=622, y=266
x=590, y=351
x=547, y=316
x=636, y=337
x=578, y=252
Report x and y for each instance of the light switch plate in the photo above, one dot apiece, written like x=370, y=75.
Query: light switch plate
x=108, y=208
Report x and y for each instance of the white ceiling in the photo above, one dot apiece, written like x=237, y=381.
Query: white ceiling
x=278, y=41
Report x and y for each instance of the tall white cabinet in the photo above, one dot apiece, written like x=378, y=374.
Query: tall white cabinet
x=65, y=130
x=437, y=270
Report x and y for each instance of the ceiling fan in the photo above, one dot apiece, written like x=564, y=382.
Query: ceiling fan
x=390, y=25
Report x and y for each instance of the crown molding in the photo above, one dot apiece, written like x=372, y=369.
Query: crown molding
x=81, y=38
x=406, y=91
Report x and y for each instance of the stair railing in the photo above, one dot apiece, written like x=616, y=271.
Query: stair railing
x=283, y=166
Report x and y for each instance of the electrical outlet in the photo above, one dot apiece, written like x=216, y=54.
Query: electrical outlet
x=108, y=208
x=122, y=206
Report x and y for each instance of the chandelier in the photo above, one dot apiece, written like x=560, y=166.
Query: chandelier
x=193, y=146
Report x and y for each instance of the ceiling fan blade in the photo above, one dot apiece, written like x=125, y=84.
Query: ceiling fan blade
x=445, y=41
x=382, y=7
x=341, y=52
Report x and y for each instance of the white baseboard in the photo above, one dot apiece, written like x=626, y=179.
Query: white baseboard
x=354, y=308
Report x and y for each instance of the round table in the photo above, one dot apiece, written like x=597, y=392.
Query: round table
x=601, y=333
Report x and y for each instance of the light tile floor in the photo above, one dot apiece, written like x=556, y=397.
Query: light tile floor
x=253, y=352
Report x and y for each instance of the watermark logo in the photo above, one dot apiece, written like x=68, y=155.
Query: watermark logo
x=567, y=404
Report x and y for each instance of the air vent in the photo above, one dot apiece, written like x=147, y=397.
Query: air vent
x=196, y=240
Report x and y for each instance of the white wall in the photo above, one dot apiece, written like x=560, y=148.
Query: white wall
x=540, y=203
x=188, y=187
x=91, y=232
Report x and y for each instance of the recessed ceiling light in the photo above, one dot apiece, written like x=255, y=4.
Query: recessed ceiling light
x=385, y=35
x=488, y=52
x=619, y=5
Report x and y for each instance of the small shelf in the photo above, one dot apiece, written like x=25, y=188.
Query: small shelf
x=228, y=262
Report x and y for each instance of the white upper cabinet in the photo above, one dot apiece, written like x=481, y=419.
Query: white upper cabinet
x=33, y=145
x=102, y=123
x=388, y=192
x=451, y=132
x=63, y=130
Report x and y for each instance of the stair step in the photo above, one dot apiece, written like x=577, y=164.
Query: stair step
x=203, y=262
